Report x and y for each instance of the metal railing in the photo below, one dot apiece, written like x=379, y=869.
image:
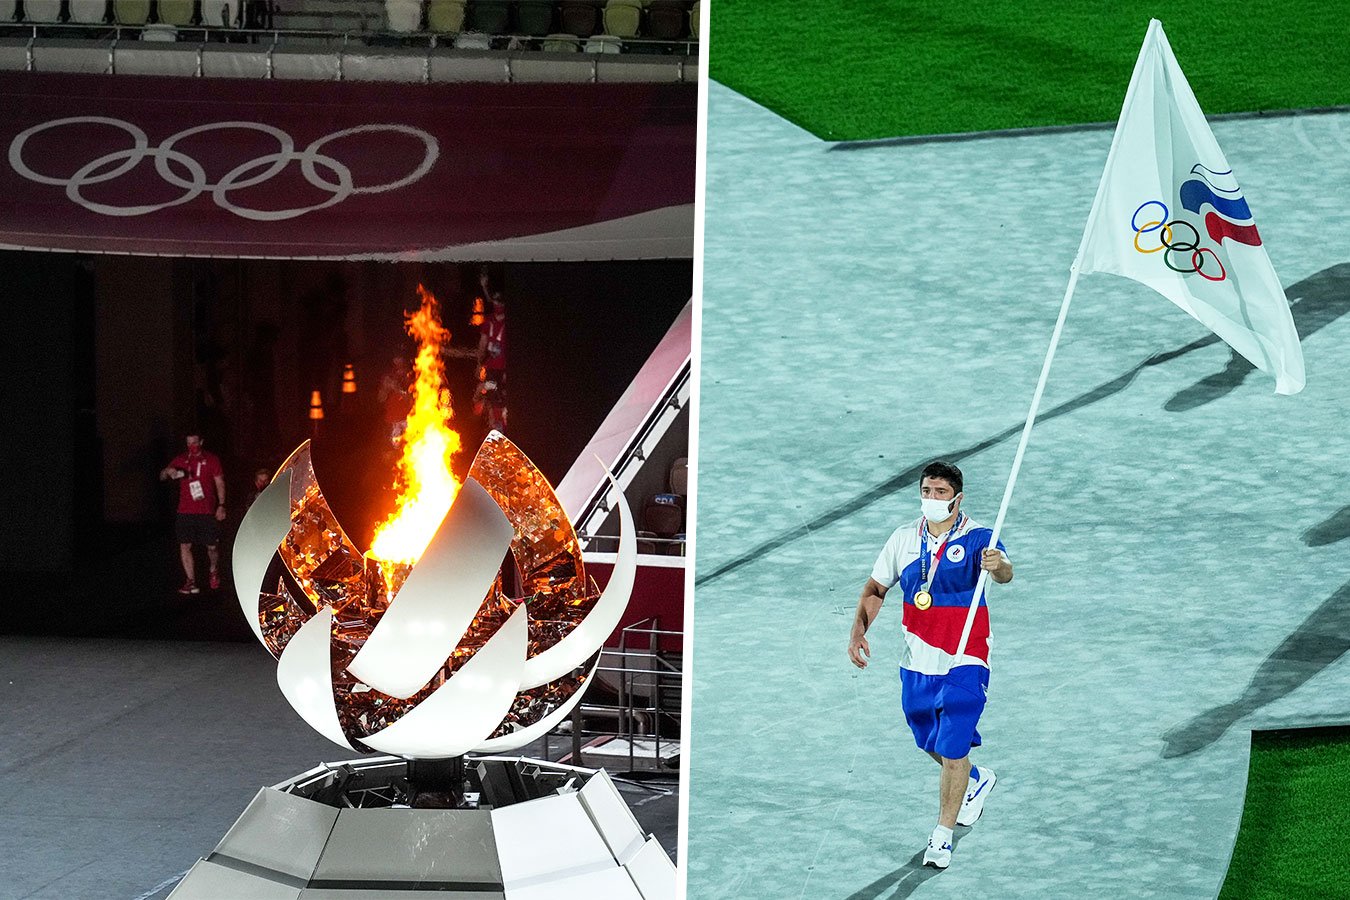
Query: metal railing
x=430, y=46
x=611, y=541
x=282, y=36
x=648, y=684
x=596, y=510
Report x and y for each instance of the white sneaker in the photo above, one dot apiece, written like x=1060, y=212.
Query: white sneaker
x=939, y=852
x=976, y=794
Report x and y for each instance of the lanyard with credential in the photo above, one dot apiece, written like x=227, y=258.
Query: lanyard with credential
x=923, y=598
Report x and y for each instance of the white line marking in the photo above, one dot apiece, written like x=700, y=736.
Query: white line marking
x=172, y=879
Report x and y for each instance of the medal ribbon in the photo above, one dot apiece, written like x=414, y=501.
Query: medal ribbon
x=937, y=559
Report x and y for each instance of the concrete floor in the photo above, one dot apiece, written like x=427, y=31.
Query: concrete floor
x=1179, y=531
x=124, y=761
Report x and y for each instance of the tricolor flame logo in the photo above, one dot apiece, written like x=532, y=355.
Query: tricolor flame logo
x=430, y=659
x=1231, y=218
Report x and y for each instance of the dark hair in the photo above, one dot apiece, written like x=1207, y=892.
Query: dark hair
x=944, y=470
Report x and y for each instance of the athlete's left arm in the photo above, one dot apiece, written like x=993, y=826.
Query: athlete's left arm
x=996, y=564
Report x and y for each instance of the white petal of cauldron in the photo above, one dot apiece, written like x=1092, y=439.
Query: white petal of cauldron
x=262, y=530
x=305, y=676
x=533, y=732
x=437, y=602
x=591, y=632
x=469, y=706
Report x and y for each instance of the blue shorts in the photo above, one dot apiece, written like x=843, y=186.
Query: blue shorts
x=942, y=710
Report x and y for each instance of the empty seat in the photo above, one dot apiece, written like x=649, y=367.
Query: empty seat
x=403, y=16
x=93, y=12
x=679, y=476
x=8, y=9
x=131, y=12
x=579, y=17
x=220, y=13
x=48, y=10
x=489, y=17
x=534, y=18
x=471, y=40
x=159, y=32
x=561, y=43
x=666, y=19
x=623, y=17
x=603, y=43
x=694, y=12
x=663, y=515
x=176, y=12
x=445, y=16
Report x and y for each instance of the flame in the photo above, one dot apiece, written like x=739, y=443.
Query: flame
x=426, y=486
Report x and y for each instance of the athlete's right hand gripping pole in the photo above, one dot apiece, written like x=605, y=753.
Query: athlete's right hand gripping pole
x=1017, y=459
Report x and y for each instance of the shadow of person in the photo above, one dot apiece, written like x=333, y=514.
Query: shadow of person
x=1315, y=302
x=905, y=880
x=1211, y=387
x=1321, y=639
x=1330, y=530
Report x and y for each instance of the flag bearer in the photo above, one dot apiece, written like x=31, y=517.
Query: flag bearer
x=936, y=560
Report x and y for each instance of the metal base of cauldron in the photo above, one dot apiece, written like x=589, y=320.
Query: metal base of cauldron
x=489, y=828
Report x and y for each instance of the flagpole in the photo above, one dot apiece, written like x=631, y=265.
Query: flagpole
x=1150, y=39
x=1021, y=451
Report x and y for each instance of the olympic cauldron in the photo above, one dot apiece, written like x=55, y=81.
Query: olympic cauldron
x=430, y=660
x=426, y=662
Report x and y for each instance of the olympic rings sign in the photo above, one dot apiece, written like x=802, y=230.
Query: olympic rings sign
x=190, y=176
x=1168, y=243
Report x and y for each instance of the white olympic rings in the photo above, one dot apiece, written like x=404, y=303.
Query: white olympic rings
x=245, y=175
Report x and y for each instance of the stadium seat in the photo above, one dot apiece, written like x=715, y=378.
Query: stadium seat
x=663, y=516
x=91, y=12
x=489, y=17
x=603, y=43
x=579, y=17
x=623, y=18
x=472, y=40
x=402, y=16
x=679, y=476
x=220, y=13
x=44, y=10
x=534, y=18
x=129, y=12
x=445, y=16
x=666, y=19
x=157, y=31
x=176, y=12
x=561, y=43
x=694, y=12
x=647, y=547
x=8, y=9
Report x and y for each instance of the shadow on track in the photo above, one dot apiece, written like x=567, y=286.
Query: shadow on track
x=1321, y=639
x=1316, y=302
x=1322, y=298
x=905, y=880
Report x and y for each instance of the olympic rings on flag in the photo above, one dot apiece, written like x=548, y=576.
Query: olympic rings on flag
x=1198, y=264
x=1166, y=236
x=1134, y=219
x=191, y=176
x=1184, y=256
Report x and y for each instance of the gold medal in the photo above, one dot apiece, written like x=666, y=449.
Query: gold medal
x=923, y=600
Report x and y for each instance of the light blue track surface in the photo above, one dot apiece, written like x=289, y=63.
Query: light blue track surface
x=1181, y=534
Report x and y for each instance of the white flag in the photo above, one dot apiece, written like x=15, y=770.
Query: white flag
x=1170, y=213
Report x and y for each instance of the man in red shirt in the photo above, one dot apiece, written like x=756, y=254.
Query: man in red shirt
x=201, y=504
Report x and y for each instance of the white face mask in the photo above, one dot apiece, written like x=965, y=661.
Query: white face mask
x=937, y=510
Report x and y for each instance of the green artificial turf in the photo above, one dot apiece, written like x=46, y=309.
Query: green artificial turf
x=854, y=69
x=1295, y=836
